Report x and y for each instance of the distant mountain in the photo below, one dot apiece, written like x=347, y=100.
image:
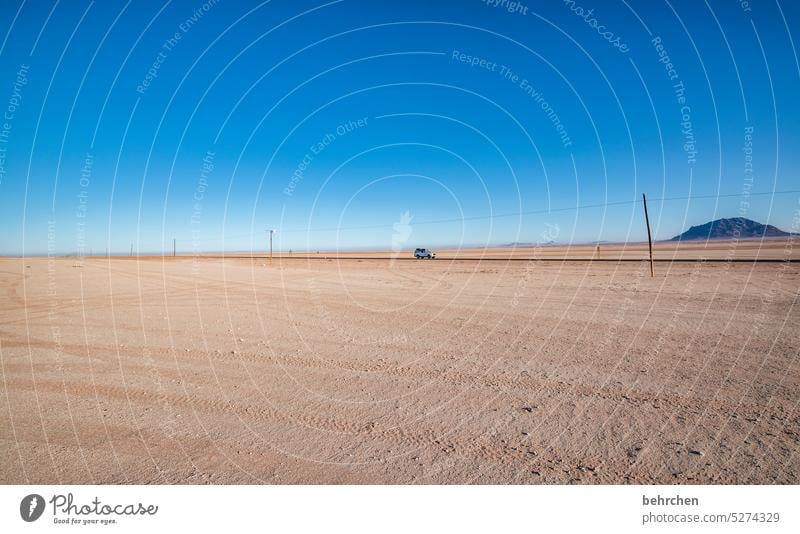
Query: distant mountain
x=517, y=244
x=738, y=227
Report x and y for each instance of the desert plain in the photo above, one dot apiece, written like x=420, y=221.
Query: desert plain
x=500, y=366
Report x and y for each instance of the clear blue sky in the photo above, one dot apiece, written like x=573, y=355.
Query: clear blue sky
x=96, y=153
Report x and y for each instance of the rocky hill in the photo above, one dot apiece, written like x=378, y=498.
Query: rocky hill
x=738, y=227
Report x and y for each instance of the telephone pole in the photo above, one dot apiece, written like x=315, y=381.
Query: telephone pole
x=173, y=248
x=270, y=242
x=649, y=239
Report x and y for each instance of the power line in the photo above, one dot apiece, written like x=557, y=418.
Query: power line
x=535, y=212
x=505, y=215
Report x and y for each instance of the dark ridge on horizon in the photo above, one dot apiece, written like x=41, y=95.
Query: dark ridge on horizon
x=734, y=228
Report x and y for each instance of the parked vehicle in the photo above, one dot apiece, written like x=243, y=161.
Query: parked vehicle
x=424, y=254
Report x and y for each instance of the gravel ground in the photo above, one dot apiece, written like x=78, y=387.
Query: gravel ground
x=203, y=370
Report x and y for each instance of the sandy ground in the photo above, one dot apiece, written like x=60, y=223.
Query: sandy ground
x=201, y=370
x=743, y=249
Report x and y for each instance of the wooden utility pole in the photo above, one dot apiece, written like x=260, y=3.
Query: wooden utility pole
x=270, y=242
x=649, y=239
x=173, y=248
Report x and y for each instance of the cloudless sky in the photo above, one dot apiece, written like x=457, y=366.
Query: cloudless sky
x=329, y=120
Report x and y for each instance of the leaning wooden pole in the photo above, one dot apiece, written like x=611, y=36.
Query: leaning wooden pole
x=649, y=238
x=270, y=243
